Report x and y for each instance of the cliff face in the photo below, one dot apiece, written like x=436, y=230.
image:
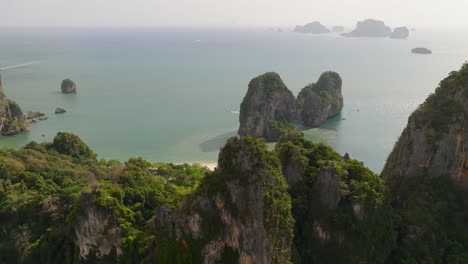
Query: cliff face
x=267, y=105
x=12, y=120
x=435, y=141
x=96, y=233
x=336, y=203
x=269, y=109
x=241, y=213
x=427, y=174
x=322, y=100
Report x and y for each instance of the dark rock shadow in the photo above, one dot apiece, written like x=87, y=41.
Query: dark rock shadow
x=215, y=144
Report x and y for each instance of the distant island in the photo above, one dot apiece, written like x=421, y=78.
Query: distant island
x=371, y=28
x=400, y=33
x=421, y=50
x=269, y=108
x=312, y=28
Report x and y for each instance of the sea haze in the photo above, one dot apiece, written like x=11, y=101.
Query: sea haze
x=174, y=94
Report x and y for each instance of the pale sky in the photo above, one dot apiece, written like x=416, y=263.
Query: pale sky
x=195, y=13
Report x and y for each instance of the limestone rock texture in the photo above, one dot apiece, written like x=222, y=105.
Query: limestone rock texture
x=435, y=140
x=269, y=109
x=267, y=104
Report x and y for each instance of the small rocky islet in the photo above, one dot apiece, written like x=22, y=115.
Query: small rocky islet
x=421, y=50
x=60, y=110
x=269, y=108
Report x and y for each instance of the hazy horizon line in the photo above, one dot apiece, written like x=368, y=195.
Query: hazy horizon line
x=214, y=26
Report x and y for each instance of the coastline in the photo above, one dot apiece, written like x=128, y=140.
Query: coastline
x=210, y=165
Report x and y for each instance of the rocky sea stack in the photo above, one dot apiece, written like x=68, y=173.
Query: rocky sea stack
x=68, y=86
x=12, y=119
x=269, y=108
x=322, y=100
x=370, y=28
x=312, y=28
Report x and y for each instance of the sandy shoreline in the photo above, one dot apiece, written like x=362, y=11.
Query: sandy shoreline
x=209, y=165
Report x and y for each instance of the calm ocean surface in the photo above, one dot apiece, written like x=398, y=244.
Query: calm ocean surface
x=172, y=94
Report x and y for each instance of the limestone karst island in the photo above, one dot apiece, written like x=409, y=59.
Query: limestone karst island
x=211, y=132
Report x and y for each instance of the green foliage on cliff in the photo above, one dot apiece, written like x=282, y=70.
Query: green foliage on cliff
x=72, y=145
x=336, y=210
x=340, y=228
x=44, y=195
x=13, y=120
x=445, y=105
x=432, y=220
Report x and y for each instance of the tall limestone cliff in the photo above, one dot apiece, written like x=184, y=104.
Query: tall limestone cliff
x=338, y=204
x=435, y=141
x=240, y=214
x=269, y=108
x=12, y=120
x=427, y=175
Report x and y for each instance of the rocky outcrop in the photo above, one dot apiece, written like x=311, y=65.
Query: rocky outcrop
x=267, y=105
x=421, y=50
x=322, y=100
x=96, y=233
x=68, y=86
x=12, y=120
x=269, y=108
x=370, y=28
x=242, y=209
x=60, y=110
x=327, y=189
x=32, y=114
x=312, y=28
x=400, y=33
x=435, y=141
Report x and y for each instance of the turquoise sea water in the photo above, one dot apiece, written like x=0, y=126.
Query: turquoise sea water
x=172, y=94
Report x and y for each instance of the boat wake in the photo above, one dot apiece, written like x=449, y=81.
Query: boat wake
x=19, y=65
